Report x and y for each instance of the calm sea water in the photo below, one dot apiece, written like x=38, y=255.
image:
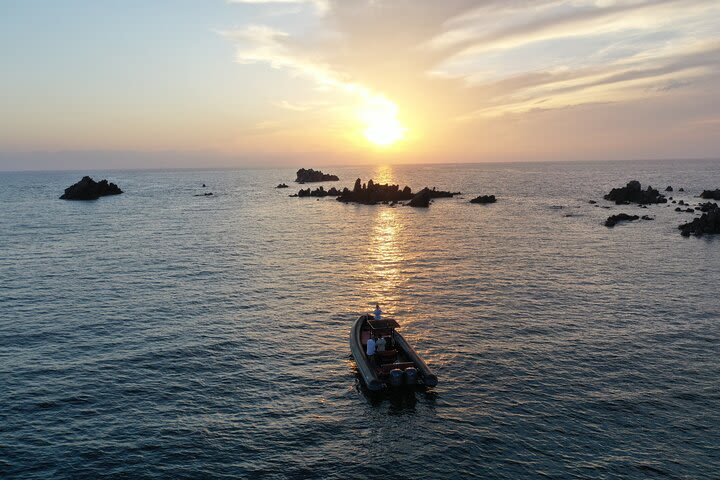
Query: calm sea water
x=161, y=335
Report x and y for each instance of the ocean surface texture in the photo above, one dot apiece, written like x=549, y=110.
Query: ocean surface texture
x=157, y=334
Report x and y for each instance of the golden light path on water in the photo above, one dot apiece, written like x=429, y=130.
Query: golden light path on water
x=389, y=256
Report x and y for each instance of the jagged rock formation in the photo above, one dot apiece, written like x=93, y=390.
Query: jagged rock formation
x=374, y=193
x=421, y=199
x=89, y=189
x=309, y=175
x=318, y=192
x=633, y=193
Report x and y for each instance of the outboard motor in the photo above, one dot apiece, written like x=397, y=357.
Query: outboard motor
x=396, y=377
x=410, y=376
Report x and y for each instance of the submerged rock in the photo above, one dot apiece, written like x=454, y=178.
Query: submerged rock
x=711, y=194
x=282, y=185
x=484, y=199
x=89, y=189
x=310, y=175
x=204, y=194
x=645, y=217
x=620, y=217
x=708, y=223
x=633, y=193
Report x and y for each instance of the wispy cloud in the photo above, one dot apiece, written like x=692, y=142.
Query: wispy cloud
x=466, y=60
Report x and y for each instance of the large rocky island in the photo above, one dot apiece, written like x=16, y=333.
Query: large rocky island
x=309, y=176
x=373, y=193
x=89, y=189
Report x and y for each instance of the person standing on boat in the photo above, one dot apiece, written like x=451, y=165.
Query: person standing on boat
x=371, y=349
x=377, y=312
x=380, y=344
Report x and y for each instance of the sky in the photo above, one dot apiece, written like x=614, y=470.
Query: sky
x=200, y=83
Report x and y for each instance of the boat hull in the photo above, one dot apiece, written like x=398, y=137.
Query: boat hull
x=367, y=372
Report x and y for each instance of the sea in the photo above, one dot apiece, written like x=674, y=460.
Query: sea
x=162, y=335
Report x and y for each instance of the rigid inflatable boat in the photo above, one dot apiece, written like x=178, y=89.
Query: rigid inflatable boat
x=399, y=365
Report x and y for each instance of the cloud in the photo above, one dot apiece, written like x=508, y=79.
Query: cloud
x=469, y=60
x=320, y=5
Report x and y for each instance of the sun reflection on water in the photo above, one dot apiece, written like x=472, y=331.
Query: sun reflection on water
x=385, y=258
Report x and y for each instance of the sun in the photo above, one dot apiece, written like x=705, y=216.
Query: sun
x=382, y=127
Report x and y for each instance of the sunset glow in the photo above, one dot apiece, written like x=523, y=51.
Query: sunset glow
x=382, y=125
x=335, y=81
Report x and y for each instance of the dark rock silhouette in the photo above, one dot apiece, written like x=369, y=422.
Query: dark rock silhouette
x=204, y=186
x=669, y=189
x=484, y=199
x=645, y=217
x=711, y=194
x=681, y=189
x=89, y=189
x=620, y=217
x=318, y=192
x=633, y=193
x=678, y=209
x=282, y=185
x=435, y=193
x=310, y=175
x=374, y=193
x=707, y=223
x=421, y=199
x=592, y=202
x=681, y=202
x=690, y=210
x=707, y=207
x=204, y=194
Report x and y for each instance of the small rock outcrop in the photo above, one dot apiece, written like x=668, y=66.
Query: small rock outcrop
x=309, y=176
x=282, y=185
x=707, y=207
x=620, y=217
x=707, y=223
x=484, y=199
x=633, y=193
x=209, y=194
x=89, y=189
x=421, y=199
x=711, y=194
x=646, y=217
x=669, y=189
